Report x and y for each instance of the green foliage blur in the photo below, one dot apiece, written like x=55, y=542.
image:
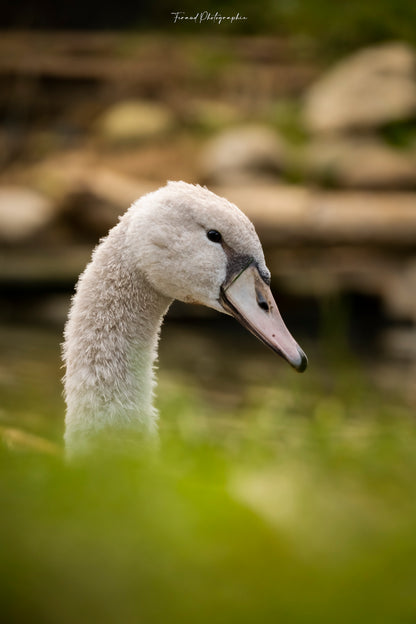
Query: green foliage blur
x=274, y=497
x=316, y=523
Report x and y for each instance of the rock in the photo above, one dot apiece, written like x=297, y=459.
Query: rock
x=23, y=213
x=134, y=121
x=353, y=162
x=289, y=214
x=372, y=87
x=242, y=154
x=213, y=114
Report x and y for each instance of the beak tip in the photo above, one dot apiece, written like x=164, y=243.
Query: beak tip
x=303, y=362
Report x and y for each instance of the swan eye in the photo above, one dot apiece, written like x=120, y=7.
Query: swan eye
x=214, y=236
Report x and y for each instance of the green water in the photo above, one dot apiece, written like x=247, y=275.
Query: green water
x=275, y=497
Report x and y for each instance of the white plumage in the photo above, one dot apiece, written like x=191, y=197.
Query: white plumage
x=159, y=251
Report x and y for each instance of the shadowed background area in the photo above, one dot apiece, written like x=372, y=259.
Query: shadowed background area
x=275, y=495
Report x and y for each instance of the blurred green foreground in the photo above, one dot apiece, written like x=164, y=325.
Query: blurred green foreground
x=287, y=502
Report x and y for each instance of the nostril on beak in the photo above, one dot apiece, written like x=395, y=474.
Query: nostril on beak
x=262, y=301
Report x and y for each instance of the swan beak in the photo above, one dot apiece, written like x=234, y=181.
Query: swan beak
x=249, y=299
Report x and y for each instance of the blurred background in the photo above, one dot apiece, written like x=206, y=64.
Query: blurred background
x=303, y=113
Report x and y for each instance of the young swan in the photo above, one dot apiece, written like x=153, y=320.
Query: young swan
x=179, y=242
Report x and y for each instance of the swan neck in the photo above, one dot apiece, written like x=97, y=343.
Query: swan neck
x=111, y=341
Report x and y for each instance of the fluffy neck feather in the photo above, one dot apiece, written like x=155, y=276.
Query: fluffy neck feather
x=110, y=347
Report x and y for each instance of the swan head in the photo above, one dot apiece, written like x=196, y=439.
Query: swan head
x=197, y=247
